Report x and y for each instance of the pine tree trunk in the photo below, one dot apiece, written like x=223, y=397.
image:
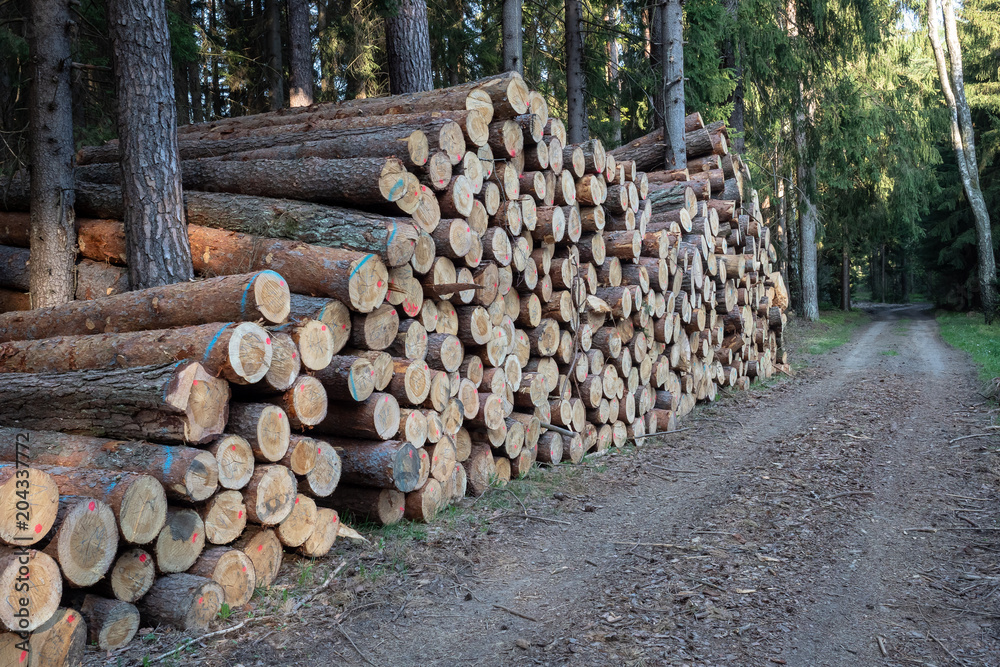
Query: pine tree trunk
x=845, y=278
x=158, y=251
x=408, y=44
x=576, y=103
x=513, y=41
x=52, y=195
x=275, y=68
x=300, y=92
x=808, y=214
x=615, y=111
x=673, y=84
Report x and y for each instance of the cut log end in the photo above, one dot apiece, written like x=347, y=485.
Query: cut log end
x=250, y=351
x=35, y=491
x=271, y=296
x=184, y=601
x=142, y=511
x=40, y=600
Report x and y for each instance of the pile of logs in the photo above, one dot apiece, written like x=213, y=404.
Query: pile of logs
x=404, y=300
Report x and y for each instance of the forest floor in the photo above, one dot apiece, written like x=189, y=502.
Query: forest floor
x=828, y=518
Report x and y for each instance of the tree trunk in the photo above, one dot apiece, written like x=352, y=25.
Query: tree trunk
x=964, y=143
x=230, y=568
x=513, y=37
x=154, y=402
x=53, y=236
x=408, y=47
x=275, y=68
x=845, y=277
x=576, y=102
x=673, y=83
x=808, y=213
x=300, y=90
x=615, y=111
x=157, y=248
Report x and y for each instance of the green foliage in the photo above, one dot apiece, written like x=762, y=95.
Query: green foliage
x=969, y=332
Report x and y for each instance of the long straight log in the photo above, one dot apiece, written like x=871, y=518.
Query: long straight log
x=388, y=464
x=183, y=601
x=185, y=472
x=385, y=506
x=163, y=403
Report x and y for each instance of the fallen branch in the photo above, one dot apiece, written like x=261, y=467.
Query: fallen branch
x=183, y=645
x=348, y=638
x=515, y=613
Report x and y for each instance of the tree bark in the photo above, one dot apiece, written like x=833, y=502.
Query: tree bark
x=673, y=83
x=248, y=297
x=275, y=68
x=157, y=248
x=845, y=277
x=576, y=102
x=408, y=46
x=184, y=601
x=53, y=235
x=963, y=141
x=234, y=352
x=152, y=403
x=111, y=624
x=300, y=90
x=513, y=37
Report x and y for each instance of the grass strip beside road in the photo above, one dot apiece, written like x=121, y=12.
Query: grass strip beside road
x=970, y=333
x=834, y=328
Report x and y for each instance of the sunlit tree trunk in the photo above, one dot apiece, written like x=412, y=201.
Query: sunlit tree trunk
x=964, y=142
x=513, y=41
x=672, y=60
x=300, y=92
x=576, y=102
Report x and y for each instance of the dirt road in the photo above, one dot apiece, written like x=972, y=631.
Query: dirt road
x=827, y=520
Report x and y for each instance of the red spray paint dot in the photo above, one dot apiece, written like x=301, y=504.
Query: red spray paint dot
x=38, y=528
x=267, y=341
x=142, y=558
x=260, y=547
x=281, y=282
x=293, y=355
x=318, y=450
x=244, y=568
x=194, y=538
x=201, y=600
x=70, y=618
x=92, y=506
x=296, y=501
x=195, y=383
x=24, y=656
x=234, y=448
x=240, y=515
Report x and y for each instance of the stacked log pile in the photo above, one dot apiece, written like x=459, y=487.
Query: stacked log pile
x=404, y=300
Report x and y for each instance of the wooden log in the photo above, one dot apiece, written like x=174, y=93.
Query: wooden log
x=234, y=461
x=384, y=506
x=180, y=541
x=313, y=339
x=388, y=464
x=480, y=469
x=131, y=576
x=35, y=603
x=83, y=541
x=325, y=475
x=232, y=570
x=348, y=377
x=305, y=402
x=226, y=298
x=550, y=447
x=301, y=455
x=265, y=427
x=360, y=280
x=224, y=516
x=376, y=417
x=60, y=641
x=321, y=540
x=424, y=503
x=264, y=549
x=161, y=403
x=239, y=353
x=286, y=364
x=375, y=330
x=270, y=494
x=186, y=473
x=183, y=601
x=111, y=624
x=299, y=524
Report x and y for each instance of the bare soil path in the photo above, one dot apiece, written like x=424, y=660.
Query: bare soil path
x=826, y=520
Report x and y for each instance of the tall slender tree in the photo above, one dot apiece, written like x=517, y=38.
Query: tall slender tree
x=300, y=62
x=53, y=233
x=964, y=142
x=156, y=242
x=672, y=61
x=513, y=36
x=408, y=46
x=275, y=70
x=576, y=101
